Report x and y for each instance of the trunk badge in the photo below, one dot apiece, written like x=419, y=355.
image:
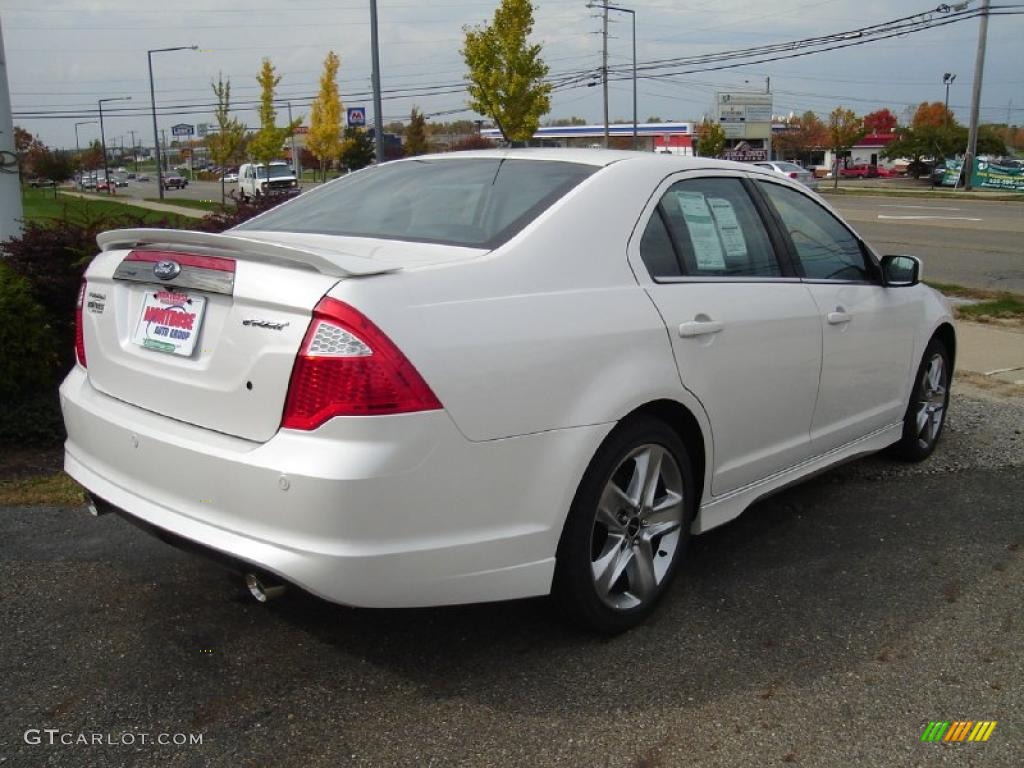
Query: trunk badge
x=167, y=270
x=266, y=324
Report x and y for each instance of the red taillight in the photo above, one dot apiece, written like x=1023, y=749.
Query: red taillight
x=348, y=367
x=793, y=175
x=79, y=330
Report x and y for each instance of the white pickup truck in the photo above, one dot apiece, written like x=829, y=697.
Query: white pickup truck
x=276, y=179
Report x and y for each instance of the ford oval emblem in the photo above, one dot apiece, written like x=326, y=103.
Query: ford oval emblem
x=167, y=270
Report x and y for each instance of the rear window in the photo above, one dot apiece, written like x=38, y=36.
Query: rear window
x=474, y=202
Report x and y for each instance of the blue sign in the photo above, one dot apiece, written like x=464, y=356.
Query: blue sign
x=356, y=116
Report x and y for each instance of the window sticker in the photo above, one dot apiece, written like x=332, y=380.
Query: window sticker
x=728, y=227
x=707, y=248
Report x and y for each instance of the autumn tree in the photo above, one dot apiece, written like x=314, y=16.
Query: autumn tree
x=881, y=121
x=267, y=143
x=932, y=115
x=325, y=138
x=506, y=73
x=710, y=138
x=844, y=130
x=227, y=145
x=803, y=135
x=416, y=134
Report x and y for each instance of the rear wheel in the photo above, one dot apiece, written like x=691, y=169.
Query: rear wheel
x=627, y=528
x=929, y=401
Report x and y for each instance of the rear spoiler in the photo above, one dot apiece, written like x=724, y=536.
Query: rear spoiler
x=325, y=261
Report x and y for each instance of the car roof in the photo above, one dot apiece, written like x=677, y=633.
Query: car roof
x=597, y=157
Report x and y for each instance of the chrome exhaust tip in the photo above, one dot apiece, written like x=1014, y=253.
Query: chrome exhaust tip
x=97, y=507
x=263, y=589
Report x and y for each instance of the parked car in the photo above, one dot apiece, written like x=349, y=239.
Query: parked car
x=859, y=171
x=887, y=173
x=491, y=375
x=40, y=182
x=174, y=180
x=792, y=170
x=230, y=178
x=143, y=177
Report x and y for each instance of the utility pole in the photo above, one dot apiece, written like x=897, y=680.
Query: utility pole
x=604, y=66
x=378, y=110
x=979, y=69
x=11, y=211
x=135, y=154
x=771, y=121
x=296, y=169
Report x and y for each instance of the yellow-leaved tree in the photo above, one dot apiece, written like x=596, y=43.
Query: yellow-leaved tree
x=325, y=139
x=506, y=73
x=266, y=144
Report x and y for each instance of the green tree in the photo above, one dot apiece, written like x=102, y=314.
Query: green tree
x=844, y=130
x=227, y=145
x=710, y=139
x=416, y=134
x=325, y=130
x=357, y=149
x=506, y=74
x=267, y=143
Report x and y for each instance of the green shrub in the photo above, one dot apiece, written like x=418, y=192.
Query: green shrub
x=28, y=358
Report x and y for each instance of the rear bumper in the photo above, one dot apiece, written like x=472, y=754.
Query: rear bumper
x=394, y=511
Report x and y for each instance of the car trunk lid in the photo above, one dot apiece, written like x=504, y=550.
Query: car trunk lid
x=205, y=328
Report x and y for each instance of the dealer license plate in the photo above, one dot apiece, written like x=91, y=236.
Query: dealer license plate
x=170, y=321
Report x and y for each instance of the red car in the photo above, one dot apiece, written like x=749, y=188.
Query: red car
x=859, y=171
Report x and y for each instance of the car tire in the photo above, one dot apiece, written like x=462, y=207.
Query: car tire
x=627, y=528
x=929, y=403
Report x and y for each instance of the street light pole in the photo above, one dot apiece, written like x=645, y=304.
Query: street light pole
x=78, y=148
x=152, y=102
x=378, y=109
x=103, y=139
x=632, y=15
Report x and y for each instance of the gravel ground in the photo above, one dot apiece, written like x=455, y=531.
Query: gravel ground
x=825, y=627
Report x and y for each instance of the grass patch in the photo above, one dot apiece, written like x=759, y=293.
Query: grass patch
x=1002, y=305
x=56, y=489
x=932, y=194
x=202, y=205
x=40, y=205
x=1006, y=306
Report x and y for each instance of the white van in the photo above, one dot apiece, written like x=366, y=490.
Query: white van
x=256, y=180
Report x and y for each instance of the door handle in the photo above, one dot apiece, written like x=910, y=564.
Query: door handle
x=692, y=328
x=838, y=317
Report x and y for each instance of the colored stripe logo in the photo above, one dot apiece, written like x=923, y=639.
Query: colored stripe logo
x=958, y=730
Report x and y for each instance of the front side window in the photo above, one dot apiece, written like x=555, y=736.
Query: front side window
x=827, y=250
x=477, y=202
x=713, y=229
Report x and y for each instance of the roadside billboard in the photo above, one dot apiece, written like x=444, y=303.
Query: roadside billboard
x=987, y=175
x=745, y=115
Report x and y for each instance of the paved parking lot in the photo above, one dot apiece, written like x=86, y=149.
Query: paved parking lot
x=826, y=627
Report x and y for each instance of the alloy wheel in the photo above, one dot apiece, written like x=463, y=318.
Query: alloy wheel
x=637, y=527
x=931, y=404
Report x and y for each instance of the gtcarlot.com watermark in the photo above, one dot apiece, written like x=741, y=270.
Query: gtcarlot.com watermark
x=53, y=737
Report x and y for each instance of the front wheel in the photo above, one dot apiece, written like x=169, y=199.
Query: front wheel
x=929, y=401
x=627, y=528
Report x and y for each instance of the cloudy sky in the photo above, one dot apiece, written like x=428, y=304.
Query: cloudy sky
x=63, y=55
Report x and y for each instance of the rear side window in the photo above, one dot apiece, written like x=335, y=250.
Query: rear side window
x=713, y=229
x=475, y=202
x=827, y=249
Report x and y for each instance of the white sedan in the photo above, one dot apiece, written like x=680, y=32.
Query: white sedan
x=489, y=375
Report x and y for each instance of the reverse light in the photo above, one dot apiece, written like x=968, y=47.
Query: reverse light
x=347, y=366
x=79, y=329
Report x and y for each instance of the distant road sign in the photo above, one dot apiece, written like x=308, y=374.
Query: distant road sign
x=182, y=129
x=202, y=129
x=356, y=116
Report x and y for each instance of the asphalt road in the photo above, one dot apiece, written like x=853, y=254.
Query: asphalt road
x=975, y=243
x=825, y=627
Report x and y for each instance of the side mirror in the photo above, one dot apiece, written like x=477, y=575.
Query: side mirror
x=901, y=271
